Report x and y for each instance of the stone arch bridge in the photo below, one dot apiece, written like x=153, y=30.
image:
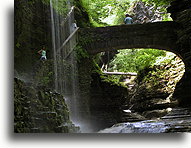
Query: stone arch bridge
x=174, y=36
x=159, y=35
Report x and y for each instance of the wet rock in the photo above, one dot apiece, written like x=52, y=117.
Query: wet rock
x=131, y=117
x=106, y=100
x=180, y=12
x=154, y=88
x=181, y=122
x=32, y=29
x=37, y=110
x=138, y=127
x=155, y=113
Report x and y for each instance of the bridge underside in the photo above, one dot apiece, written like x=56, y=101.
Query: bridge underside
x=158, y=35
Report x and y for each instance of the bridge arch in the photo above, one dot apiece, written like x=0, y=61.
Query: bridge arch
x=158, y=35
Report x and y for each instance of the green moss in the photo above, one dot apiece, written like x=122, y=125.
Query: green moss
x=80, y=53
x=60, y=6
x=42, y=111
x=44, y=74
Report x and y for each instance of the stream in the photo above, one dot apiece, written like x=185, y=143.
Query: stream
x=71, y=91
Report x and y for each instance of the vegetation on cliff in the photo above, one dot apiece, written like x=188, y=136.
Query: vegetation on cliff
x=37, y=107
x=134, y=60
x=39, y=110
x=103, y=13
x=130, y=60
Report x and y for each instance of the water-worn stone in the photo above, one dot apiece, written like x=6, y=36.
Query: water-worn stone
x=154, y=88
x=178, y=124
x=181, y=12
x=37, y=110
x=105, y=101
x=32, y=30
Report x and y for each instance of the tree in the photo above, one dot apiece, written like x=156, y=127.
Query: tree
x=112, y=12
x=134, y=60
x=104, y=12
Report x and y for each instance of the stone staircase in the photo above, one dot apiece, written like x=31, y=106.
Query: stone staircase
x=176, y=121
x=128, y=116
x=131, y=117
x=178, y=113
x=179, y=119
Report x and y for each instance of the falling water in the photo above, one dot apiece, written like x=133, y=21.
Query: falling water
x=64, y=40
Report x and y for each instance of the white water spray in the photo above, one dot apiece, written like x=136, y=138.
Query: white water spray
x=64, y=40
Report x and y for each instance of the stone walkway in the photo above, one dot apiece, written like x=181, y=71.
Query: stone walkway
x=176, y=121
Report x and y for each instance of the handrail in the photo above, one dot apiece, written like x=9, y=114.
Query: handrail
x=121, y=73
x=68, y=38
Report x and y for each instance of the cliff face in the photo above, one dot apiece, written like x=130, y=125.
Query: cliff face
x=39, y=110
x=181, y=12
x=32, y=31
x=105, y=102
x=152, y=94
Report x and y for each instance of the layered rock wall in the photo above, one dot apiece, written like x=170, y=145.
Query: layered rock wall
x=38, y=110
x=106, y=100
x=153, y=91
x=32, y=30
x=181, y=13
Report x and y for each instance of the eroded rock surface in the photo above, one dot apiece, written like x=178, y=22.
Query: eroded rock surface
x=39, y=110
x=178, y=120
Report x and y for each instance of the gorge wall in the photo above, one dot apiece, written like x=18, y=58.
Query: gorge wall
x=37, y=107
x=39, y=110
x=31, y=32
x=181, y=12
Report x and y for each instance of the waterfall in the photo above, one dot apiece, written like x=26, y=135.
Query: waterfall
x=64, y=40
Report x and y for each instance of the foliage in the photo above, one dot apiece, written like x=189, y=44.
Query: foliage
x=154, y=75
x=61, y=6
x=159, y=2
x=80, y=53
x=111, y=12
x=113, y=79
x=163, y=60
x=102, y=12
x=44, y=75
x=164, y=74
x=133, y=60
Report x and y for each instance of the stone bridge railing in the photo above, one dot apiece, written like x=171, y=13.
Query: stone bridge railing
x=158, y=35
